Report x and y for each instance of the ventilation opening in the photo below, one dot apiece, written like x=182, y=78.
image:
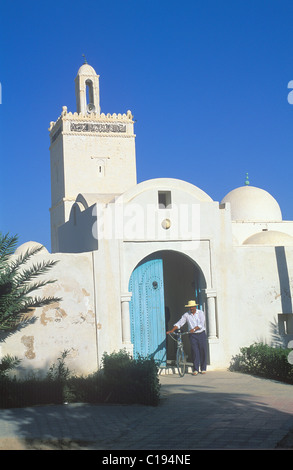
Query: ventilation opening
x=164, y=199
x=101, y=170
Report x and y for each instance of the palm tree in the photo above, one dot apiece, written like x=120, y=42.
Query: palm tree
x=17, y=282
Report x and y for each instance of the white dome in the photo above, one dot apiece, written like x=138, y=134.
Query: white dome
x=28, y=246
x=86, y=69
x=165, y=184
x=251, y=204
x=269, y=237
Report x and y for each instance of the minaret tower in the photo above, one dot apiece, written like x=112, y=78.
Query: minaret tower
x=91, y=152
x=87, y=90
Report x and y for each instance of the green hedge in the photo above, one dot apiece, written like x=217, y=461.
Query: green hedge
x=21, y=393
x=121, y=379
x=264, y=361
x=130, y=380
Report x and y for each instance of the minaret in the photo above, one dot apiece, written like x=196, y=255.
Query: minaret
x=87, y=90
x=91, y=152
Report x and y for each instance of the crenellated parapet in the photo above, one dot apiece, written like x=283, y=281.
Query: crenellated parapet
x=89, y=117
x=89, y=123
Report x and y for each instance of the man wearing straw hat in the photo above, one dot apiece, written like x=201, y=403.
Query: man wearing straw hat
x=195, y=320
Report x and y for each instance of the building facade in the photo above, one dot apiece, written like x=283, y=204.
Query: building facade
x=131, y=255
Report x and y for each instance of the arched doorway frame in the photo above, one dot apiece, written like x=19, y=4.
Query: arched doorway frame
x=193, y=275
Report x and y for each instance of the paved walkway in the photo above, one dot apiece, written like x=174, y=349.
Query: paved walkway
x=219, y=410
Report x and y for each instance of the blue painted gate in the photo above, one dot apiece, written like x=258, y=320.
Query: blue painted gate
x=147, y=311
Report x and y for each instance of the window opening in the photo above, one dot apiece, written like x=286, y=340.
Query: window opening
x=285, y=321
x=89, y=92
x=164, y=199
x=101, y=170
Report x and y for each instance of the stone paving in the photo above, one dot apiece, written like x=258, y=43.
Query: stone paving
x=218, y=410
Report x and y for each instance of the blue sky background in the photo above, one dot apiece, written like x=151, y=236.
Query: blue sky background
x=205, y=80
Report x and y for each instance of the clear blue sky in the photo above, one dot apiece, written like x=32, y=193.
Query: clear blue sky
x=205, y=80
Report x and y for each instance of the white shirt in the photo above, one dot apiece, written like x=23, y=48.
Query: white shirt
x=193, y=320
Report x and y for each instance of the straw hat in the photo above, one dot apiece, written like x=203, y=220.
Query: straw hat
x=191, y=303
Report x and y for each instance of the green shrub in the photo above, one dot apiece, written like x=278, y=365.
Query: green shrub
x=7, y=363
x=88, y=389
x=129, y=380
x=30, y=392
x=265, y=361
x=121, y=380
x=59, y=372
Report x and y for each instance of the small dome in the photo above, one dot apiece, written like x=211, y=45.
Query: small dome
x=251, y=204
x=28, y=246
x=269, y=237
x=86, y=69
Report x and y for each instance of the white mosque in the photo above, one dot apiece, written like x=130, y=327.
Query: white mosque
x=131, y=255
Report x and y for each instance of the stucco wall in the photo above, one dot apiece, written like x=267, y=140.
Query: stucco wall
x=67, y=325
x=254, y=289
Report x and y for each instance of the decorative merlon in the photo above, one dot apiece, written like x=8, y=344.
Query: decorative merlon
x=93, y=117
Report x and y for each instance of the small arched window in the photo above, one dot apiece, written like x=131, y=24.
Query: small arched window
x=89, y=92
x=101, y=168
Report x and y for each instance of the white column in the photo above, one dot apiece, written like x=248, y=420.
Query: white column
x=125, y=321
x=211, y=313
x=82, y=94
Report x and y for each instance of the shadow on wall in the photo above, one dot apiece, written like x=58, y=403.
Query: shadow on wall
x=284, y=280
x=278, y=335
x=281, y=328
x=77, y=234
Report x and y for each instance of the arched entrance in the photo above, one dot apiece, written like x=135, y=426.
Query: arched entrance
x=161, y=285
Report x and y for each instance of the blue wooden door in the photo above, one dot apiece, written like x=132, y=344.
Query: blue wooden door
x=147, y=311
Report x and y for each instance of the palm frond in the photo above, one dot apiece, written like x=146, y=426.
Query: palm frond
x=23, y=258
x=35, y=302
x=7, y=246
x=28, y=274
x=18, y=281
